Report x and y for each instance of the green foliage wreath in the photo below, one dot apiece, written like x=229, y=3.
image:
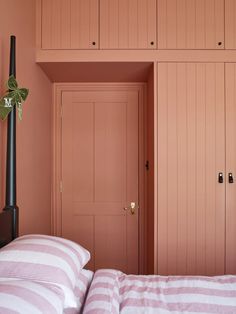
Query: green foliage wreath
x=15, y=96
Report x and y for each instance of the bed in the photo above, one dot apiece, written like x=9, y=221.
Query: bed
x=46, y=274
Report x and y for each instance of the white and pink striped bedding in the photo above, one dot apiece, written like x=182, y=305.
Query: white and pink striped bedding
x=114, y=292
x=103, y=295
x=45, y=259
x=81, y=288
x=27, y=297
x=43, y=274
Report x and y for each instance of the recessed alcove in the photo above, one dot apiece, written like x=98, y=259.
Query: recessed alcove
x=122, y=72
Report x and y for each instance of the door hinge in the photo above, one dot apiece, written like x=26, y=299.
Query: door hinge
x=61, y=111
x=60, y=186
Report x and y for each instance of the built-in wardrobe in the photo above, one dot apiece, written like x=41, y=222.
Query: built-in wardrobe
x=196, y=168
x=183, y=51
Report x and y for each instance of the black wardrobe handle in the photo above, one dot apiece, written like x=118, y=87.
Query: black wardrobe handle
x=231, y=178
x=221, y=177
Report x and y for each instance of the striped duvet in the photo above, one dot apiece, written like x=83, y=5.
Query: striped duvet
x=114, y=292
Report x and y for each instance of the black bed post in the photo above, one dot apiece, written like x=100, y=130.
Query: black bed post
x=10, y=203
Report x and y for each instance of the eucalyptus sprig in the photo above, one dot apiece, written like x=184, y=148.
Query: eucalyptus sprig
x=15, y=96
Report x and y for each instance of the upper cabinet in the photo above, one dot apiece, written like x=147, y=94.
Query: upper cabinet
x=78, y=24
x=191, y=24
x=127, y=24
x=136, y=24
x=230, y=25
x=69, y=24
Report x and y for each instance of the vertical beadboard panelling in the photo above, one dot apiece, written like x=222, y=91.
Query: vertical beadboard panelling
x=191, y=202
x=230, y=24
x=65, y=24
x=172, y=174
x=201, y=169
x=162, y=169
x=56, y=17
x=182, y=174
x=127, y=24
x=230, y=167
x=46, y=23
x=190, y=24
x=191, y=168
x=220, y=165
x=71, y=24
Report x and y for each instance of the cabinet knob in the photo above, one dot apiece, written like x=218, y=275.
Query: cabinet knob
x=220, y=177
x=231, y=178
x=152, y=43
x=94, y=43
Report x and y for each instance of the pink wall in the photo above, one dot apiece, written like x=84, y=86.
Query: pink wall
x=34, y=132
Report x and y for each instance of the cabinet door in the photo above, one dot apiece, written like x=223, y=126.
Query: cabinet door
x=128, y=24
x=191, y=154
x=69, y=24
x=230, y=167
x=191, y=24
x=230, y=25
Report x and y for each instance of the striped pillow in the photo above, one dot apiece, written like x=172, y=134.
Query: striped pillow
x=44, y=258
x=20, y=296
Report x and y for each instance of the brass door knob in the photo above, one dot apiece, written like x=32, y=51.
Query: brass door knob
x=132, y=208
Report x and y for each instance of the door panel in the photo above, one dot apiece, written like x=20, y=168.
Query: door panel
x=230, y=167
x=128, y=24
x=100, y=175
x=70, y=24
x=191, y=153
x=191, y=24
x=230, y=25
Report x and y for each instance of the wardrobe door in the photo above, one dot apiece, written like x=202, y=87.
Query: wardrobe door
x=69, y=24
x=231, y=168
x=191, y=165
x=128, y=24
x=190, y=24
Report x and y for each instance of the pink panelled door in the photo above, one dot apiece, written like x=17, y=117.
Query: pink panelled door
x=190, y=24
x=100, y=175
x=191, y=154
x=230, y=72
x=127, y=24
x=70, y=24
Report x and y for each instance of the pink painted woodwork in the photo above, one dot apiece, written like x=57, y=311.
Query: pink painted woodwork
x=98, y=71
x=128, y=24
x=191, y=24
x=69, y=24
x=230, y=25
x=100, y=175
x=191, y=141
x=230, y=73
x=150, y=173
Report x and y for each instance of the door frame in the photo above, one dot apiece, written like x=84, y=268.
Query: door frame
x=56, y=203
